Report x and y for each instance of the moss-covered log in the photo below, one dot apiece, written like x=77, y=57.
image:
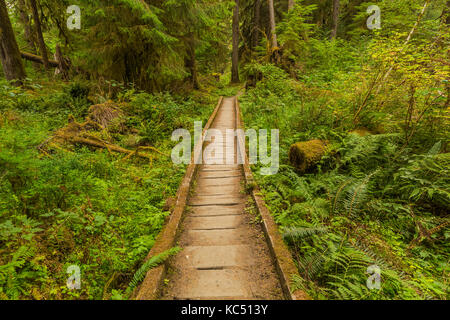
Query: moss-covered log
x=38, y=59
x=304, y=155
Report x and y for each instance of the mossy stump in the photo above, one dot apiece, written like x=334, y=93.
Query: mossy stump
x=304, y=155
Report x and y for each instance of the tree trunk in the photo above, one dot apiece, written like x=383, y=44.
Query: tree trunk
x=291, y=4
x=275, y=54
x=63, y=64
x=235, y=57
x=320, y=17
x=336, y=7
x=9, y=50
x=191, y=62
x=28, y=31
x=40, y=37
x=25, y=20
x=256, y=23
x=273, y=34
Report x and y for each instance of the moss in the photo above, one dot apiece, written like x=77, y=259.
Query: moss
x=304, y=155
x=362, y=132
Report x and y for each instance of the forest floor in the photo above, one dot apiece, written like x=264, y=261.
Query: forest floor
x=224, y=253
x=80, y=205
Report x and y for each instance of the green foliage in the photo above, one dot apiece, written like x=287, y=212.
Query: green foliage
x=300, y=233
x=149, y=264
x=376, y=198
x=425, y=179
x=83, y=206
x=15, y=275
x=145, y=43
x=294, y=30
x=379, y=196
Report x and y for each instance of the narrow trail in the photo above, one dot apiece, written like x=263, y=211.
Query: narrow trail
x=224, y=254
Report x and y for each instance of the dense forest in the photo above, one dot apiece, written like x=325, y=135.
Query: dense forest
x=91, y=91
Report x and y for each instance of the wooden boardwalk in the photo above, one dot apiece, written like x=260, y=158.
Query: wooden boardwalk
x=225, y=255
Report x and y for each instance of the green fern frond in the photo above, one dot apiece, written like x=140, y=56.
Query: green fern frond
x=149, y=264
x=294, y=234
x=435, y=149
x=339, y=192
x=312, y=266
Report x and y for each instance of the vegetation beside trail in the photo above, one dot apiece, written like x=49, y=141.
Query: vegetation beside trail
x=80, y=205
x=380, y=194
x=369, y=201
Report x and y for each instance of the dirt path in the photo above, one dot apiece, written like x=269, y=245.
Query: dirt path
x=224, y=253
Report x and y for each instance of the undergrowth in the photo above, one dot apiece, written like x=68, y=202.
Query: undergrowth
x=373, y=199
x=84, y=206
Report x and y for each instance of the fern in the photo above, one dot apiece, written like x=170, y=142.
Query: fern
x=364, y=154
x=340, y=191
x=425, y=178
x=293, y=234
x=435, y=149
x=149, y=264
x=10, y=275
x=313, y=265
x=349, y=289
x=352, y=195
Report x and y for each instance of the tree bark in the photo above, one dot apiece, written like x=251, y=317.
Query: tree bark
x=9, y=50
x=28, y=30
x=63, y=64
x=191, y=62
x=320, y=17
x=273, y=34
x=336, y=7
x=446, y=13
x=235, y=57
x=25, y=20
x=256, y=23
x=291, y=4
x=40, y=37
x=275, y=52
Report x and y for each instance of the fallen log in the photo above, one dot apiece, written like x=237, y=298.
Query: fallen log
x=362, y=132
x=38, y=59
x=99, y=118
x=109, y=147
x=304, y=155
